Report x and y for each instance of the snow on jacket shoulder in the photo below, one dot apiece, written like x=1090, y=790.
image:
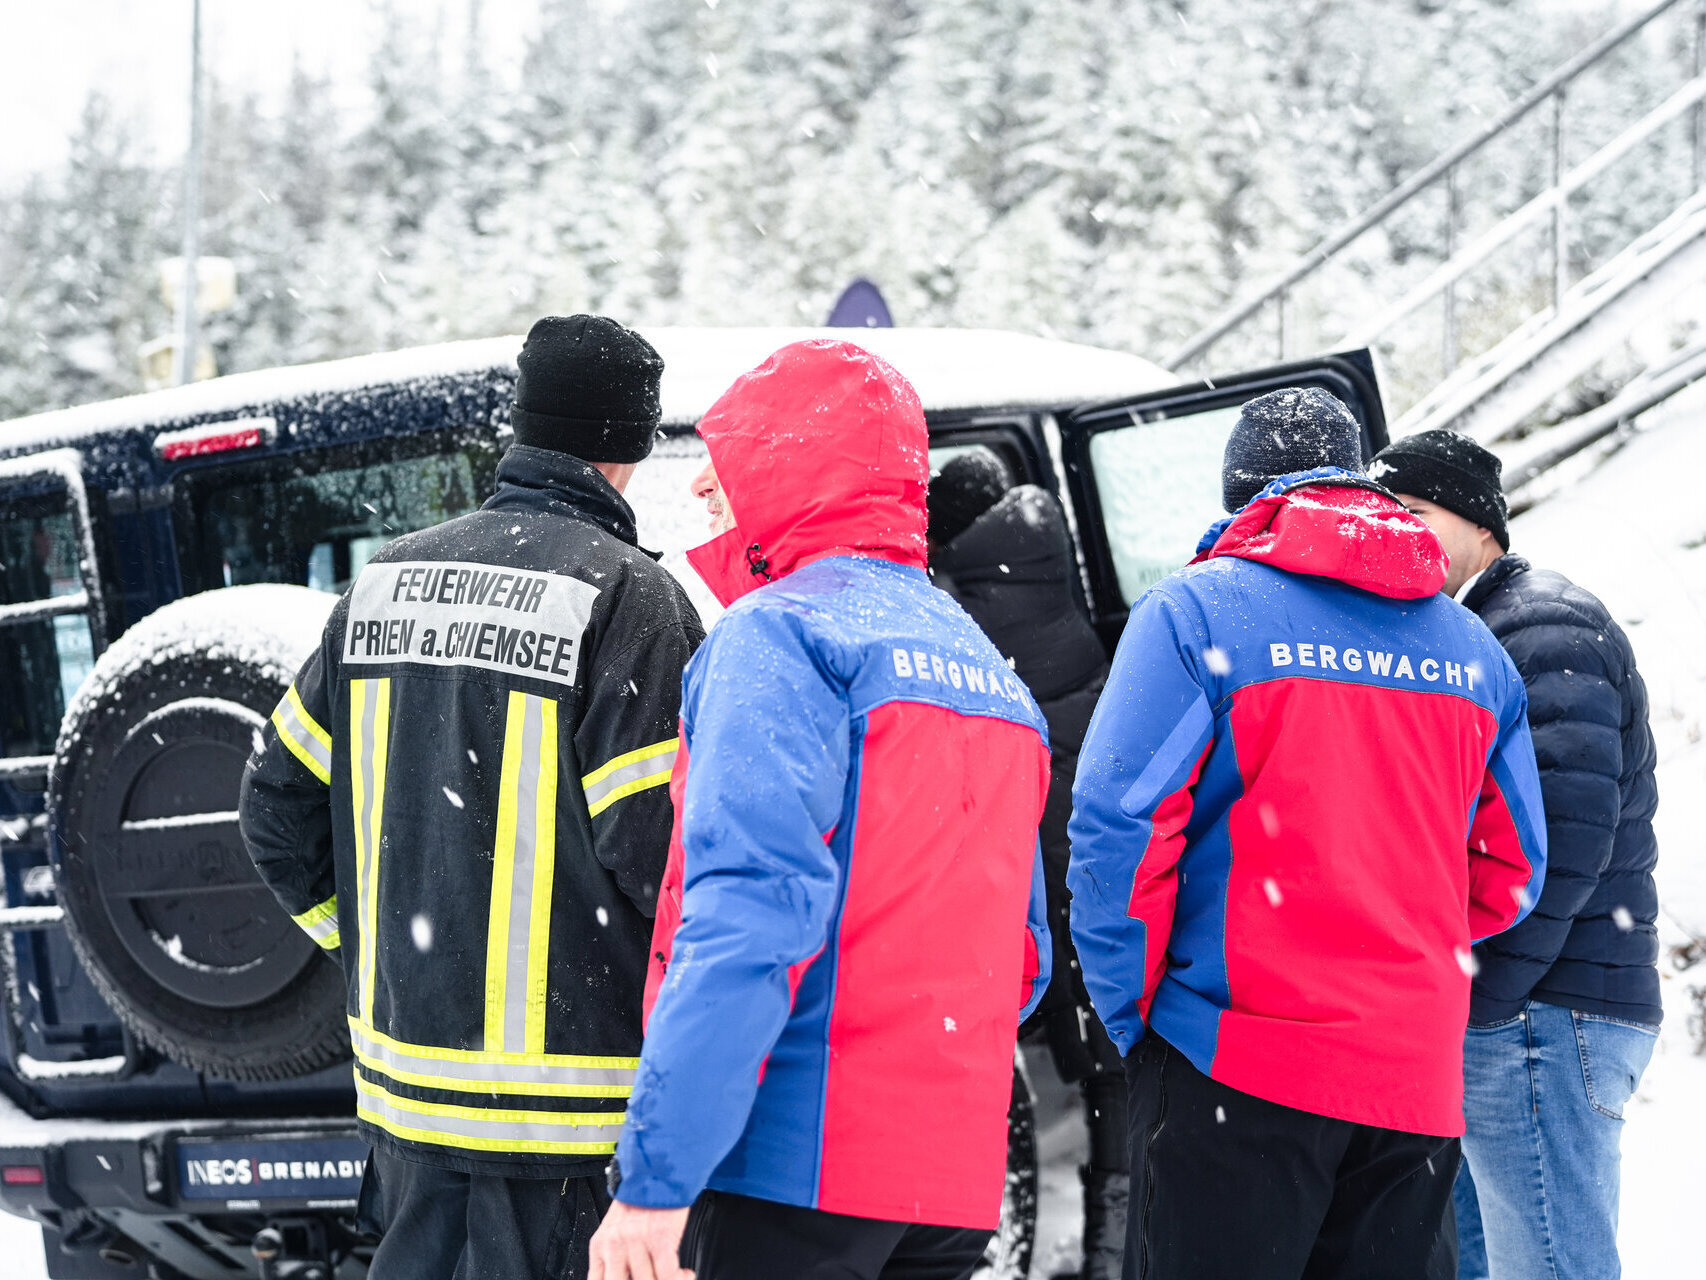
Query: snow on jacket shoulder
x=842, y=954
x=1591, y=943
x=1305, y=764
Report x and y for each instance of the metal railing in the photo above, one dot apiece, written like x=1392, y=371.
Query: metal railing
x=1554, y=89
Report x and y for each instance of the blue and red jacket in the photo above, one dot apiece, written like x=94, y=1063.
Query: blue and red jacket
x=841, y=956
x=1307, y=790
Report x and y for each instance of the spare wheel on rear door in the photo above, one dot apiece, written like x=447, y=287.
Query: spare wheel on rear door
x=161, y=900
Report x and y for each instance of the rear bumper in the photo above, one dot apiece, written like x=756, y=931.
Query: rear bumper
x=191, y=1194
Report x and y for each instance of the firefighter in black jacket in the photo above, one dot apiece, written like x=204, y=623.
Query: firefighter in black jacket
x=464, y=792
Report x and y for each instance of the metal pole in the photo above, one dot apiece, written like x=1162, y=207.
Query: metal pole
x=187, y=328
x=1698, y=123
x=1450, y=337
x=1560, y=256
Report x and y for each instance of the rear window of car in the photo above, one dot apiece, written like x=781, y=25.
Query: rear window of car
x=315, y=521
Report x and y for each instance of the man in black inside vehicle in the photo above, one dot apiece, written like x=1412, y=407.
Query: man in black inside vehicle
x=1005, y=554
x=464, y=792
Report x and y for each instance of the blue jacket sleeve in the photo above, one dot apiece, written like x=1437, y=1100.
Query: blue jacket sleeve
x=767, y=733
x=1507, y=834
x=1036, y=921
x=1133, y=796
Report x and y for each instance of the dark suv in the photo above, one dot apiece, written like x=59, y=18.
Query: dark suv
x=174, y=1087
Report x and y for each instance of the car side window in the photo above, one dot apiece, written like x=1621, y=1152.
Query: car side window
x=1159, y=484
x=319, y=528
x=45, y=653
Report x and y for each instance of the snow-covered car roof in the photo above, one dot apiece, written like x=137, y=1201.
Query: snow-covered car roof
x=953, y=369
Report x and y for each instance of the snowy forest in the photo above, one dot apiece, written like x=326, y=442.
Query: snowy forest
x=1111, y=171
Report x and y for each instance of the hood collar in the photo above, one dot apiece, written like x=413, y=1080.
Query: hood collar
x=530, y=477
x=1333, y=523
x=822, y=451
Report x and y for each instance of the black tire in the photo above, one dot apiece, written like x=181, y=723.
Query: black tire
x=1009, y=1254
x=168, y=916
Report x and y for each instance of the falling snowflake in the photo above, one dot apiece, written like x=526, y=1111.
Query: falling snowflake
x=948, y=1024
x=1220, y=1115
x=1622, y=919
x=1466, y=961
x=1269, y=817
x=1272, y=889
x=453, y=797
x=420, y=928
x=1217, y=661
x=472, y=758
x=603, y=916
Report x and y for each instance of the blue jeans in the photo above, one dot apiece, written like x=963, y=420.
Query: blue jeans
x=1543, y=1097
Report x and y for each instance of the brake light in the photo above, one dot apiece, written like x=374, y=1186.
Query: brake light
x=22, y=1175
x=215, y=437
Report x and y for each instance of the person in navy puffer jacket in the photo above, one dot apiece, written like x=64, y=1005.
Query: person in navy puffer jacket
x=1564, y=1009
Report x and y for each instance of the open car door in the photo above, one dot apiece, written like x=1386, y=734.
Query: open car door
x=1143, y=473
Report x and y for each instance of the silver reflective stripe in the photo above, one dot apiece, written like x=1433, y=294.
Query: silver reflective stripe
x=321, y=923
x=497, y=1130
x=484, y=1077
x=370, y=715
x=307, y=741
x=521, y=879
x=518, y=931
x=650, y=767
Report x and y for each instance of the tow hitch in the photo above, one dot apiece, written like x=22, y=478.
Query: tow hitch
x=293, y=1249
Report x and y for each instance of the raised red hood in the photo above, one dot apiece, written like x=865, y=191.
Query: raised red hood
x=822, y=451
x=1358, y=536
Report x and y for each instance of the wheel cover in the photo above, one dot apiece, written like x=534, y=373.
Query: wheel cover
x=170, y=866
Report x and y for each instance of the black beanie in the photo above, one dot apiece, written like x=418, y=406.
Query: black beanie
x=967, y=485
x=1450, y=471
x=587, y=387
x=1292, y=429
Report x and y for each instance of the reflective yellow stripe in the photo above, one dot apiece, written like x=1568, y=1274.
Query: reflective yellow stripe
x=503, y=873
x=664, y=748
x=479, y=1129
x=464, y=1071
x=544, y=868
x=302, y=734
x=321, y=922
x=626, y=774
x=370, y=731
x=518, y=937
x=482, y=1057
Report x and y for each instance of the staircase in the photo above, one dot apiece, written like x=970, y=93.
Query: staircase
x=1497, y=395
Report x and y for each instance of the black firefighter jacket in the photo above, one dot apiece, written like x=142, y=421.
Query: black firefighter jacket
x=465, y=793
x=1590, y=943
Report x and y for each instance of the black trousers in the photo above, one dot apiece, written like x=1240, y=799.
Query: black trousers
x=1225, y=1185
x=435, y=1224
x=732, y=1237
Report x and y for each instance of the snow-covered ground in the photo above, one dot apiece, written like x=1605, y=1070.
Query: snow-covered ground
x=1634, y=532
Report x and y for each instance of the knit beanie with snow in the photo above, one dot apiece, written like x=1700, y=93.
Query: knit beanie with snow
x=588, y=387
x=1292, y=429
x=1450, y=471
x=967, y=485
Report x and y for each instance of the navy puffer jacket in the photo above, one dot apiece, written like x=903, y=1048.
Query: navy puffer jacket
x=1590, y=944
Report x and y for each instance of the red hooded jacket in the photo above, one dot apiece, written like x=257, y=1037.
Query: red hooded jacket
x=841, y=949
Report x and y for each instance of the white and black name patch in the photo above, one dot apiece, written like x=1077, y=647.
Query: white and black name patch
x=458, y=613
